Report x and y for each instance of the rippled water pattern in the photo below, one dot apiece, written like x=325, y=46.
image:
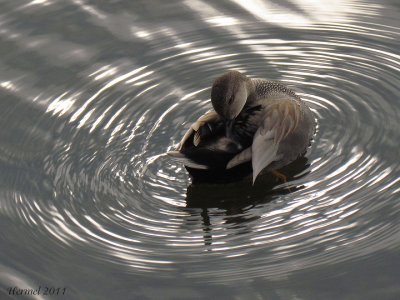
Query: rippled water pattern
x=93, y=93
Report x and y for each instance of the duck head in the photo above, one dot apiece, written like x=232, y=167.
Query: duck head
x=230, y=93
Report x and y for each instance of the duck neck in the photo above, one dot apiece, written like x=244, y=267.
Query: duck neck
x=251, y=92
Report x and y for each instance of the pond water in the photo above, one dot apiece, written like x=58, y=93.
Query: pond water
x=93, y=93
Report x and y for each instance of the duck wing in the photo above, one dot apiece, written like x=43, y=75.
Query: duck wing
x=280, y=116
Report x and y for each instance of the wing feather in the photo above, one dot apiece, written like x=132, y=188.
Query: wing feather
x=281, y=116
x=240, y=158
x=208, y=117
x=264, y=151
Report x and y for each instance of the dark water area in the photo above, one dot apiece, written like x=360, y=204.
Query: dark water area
x=93, y=93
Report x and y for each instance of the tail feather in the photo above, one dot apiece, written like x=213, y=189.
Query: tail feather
x=180, y=157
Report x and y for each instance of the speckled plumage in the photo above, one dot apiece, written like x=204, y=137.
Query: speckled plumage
x=260, y=121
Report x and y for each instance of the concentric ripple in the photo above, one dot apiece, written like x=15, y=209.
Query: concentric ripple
x=92, y=174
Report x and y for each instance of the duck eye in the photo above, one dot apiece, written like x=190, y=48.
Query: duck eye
x=230, y=101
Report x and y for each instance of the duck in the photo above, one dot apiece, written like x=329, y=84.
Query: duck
x=255, y=122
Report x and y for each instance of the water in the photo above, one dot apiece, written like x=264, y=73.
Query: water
x=92, y=93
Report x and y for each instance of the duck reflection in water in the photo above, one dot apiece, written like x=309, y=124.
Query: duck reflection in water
x=235, y=200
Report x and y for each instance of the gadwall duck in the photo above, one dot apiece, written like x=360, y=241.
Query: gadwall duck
x=254, y=120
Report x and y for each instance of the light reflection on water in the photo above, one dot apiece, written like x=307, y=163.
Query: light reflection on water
x=92, y=95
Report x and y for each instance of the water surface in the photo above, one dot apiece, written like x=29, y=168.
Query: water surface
x=92, y=94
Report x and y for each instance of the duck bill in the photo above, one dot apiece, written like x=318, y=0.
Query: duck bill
x=228, y=128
